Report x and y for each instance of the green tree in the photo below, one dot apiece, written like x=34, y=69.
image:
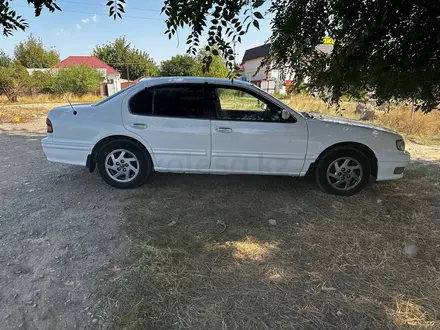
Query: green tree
x=179, y=65
x=390, y=47
x=42, y=81
x=217, y=66
x=77, y=80
x=132, y=63
x=32, y=54
x=13, y=79
x=5, y=60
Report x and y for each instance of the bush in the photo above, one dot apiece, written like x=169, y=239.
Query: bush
x=13, y=79
x=78, y=80
x=41, y=82
x=16, y=81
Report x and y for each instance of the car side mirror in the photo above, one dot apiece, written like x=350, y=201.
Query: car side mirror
x=263, y=106
x=285, y=114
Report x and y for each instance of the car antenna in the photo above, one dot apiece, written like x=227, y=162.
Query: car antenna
x=73, y=109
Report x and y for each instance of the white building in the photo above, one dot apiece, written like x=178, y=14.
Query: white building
x=271, y=80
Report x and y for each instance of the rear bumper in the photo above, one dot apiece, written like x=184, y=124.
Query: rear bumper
x=392, y=170
x=75, y=154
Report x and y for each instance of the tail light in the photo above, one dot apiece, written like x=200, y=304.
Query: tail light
x=49, y=126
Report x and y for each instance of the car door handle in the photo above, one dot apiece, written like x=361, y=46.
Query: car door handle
x=139, y=126
x=223, y=129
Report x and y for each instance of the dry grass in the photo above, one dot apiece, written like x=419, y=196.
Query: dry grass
x=28, y=108
x=423, y=127
x=24, y=112
x=21, y=113
x=410, y=314
x=249, y=249
x=51, y=98
x=329, y=263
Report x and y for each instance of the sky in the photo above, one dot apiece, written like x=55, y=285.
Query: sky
x=83, y=24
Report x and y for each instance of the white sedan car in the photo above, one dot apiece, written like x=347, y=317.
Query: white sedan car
x=202, y=125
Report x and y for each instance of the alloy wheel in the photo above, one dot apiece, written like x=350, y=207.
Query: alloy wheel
x=344, y=173
x=122, y=165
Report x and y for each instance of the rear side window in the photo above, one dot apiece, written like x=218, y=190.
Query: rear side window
x=142, y=102
x=182, y=101
x=170, y=101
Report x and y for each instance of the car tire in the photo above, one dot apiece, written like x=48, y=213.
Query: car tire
x=124, y=164
x=337, y=170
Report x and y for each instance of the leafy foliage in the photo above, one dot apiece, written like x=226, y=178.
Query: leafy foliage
x=116, y=7
x=13, y=79
x=132, y=63
x=219, y=18
x=42, y=82
x=185, y=65
x=5, y=60
x=217, y=67
x=32, y=54
x=389, y=47
x=12, y=22
x=179, y=65
x=9, y=19
x=77, y=80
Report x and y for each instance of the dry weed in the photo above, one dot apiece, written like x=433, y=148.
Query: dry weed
x=52, y=98
x=421, y=126
x=24, y=112
x=409, y=314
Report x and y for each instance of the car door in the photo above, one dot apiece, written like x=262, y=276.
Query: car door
x=174, y=121
x=249, y=134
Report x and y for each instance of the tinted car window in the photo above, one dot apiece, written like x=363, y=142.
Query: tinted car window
x=142, y=102
x=182, y=101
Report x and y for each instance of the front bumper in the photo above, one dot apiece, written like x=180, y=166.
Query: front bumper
x=75, y=154
x=392, y=170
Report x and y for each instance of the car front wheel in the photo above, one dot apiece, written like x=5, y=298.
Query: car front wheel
x=124, y=164
x=343, y=172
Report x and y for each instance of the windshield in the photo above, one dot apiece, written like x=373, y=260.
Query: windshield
x=114, y=95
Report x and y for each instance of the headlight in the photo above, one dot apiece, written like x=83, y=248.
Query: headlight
x=400, y=144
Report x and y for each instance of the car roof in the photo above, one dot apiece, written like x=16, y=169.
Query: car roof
x=191, y=80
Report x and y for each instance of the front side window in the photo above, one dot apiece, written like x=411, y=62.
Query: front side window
x=238, y=104
x=170, y=101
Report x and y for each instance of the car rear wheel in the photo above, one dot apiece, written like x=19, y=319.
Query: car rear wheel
x=343, y=171
x=124, y=164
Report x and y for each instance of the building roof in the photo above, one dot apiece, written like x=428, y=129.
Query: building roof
x=256, y=52
x=90, y=61
x=263, y=51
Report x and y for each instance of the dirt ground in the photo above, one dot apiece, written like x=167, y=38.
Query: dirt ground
x=212, y=252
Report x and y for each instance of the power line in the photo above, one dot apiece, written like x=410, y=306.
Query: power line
x=89, y=13
x=103, y=5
